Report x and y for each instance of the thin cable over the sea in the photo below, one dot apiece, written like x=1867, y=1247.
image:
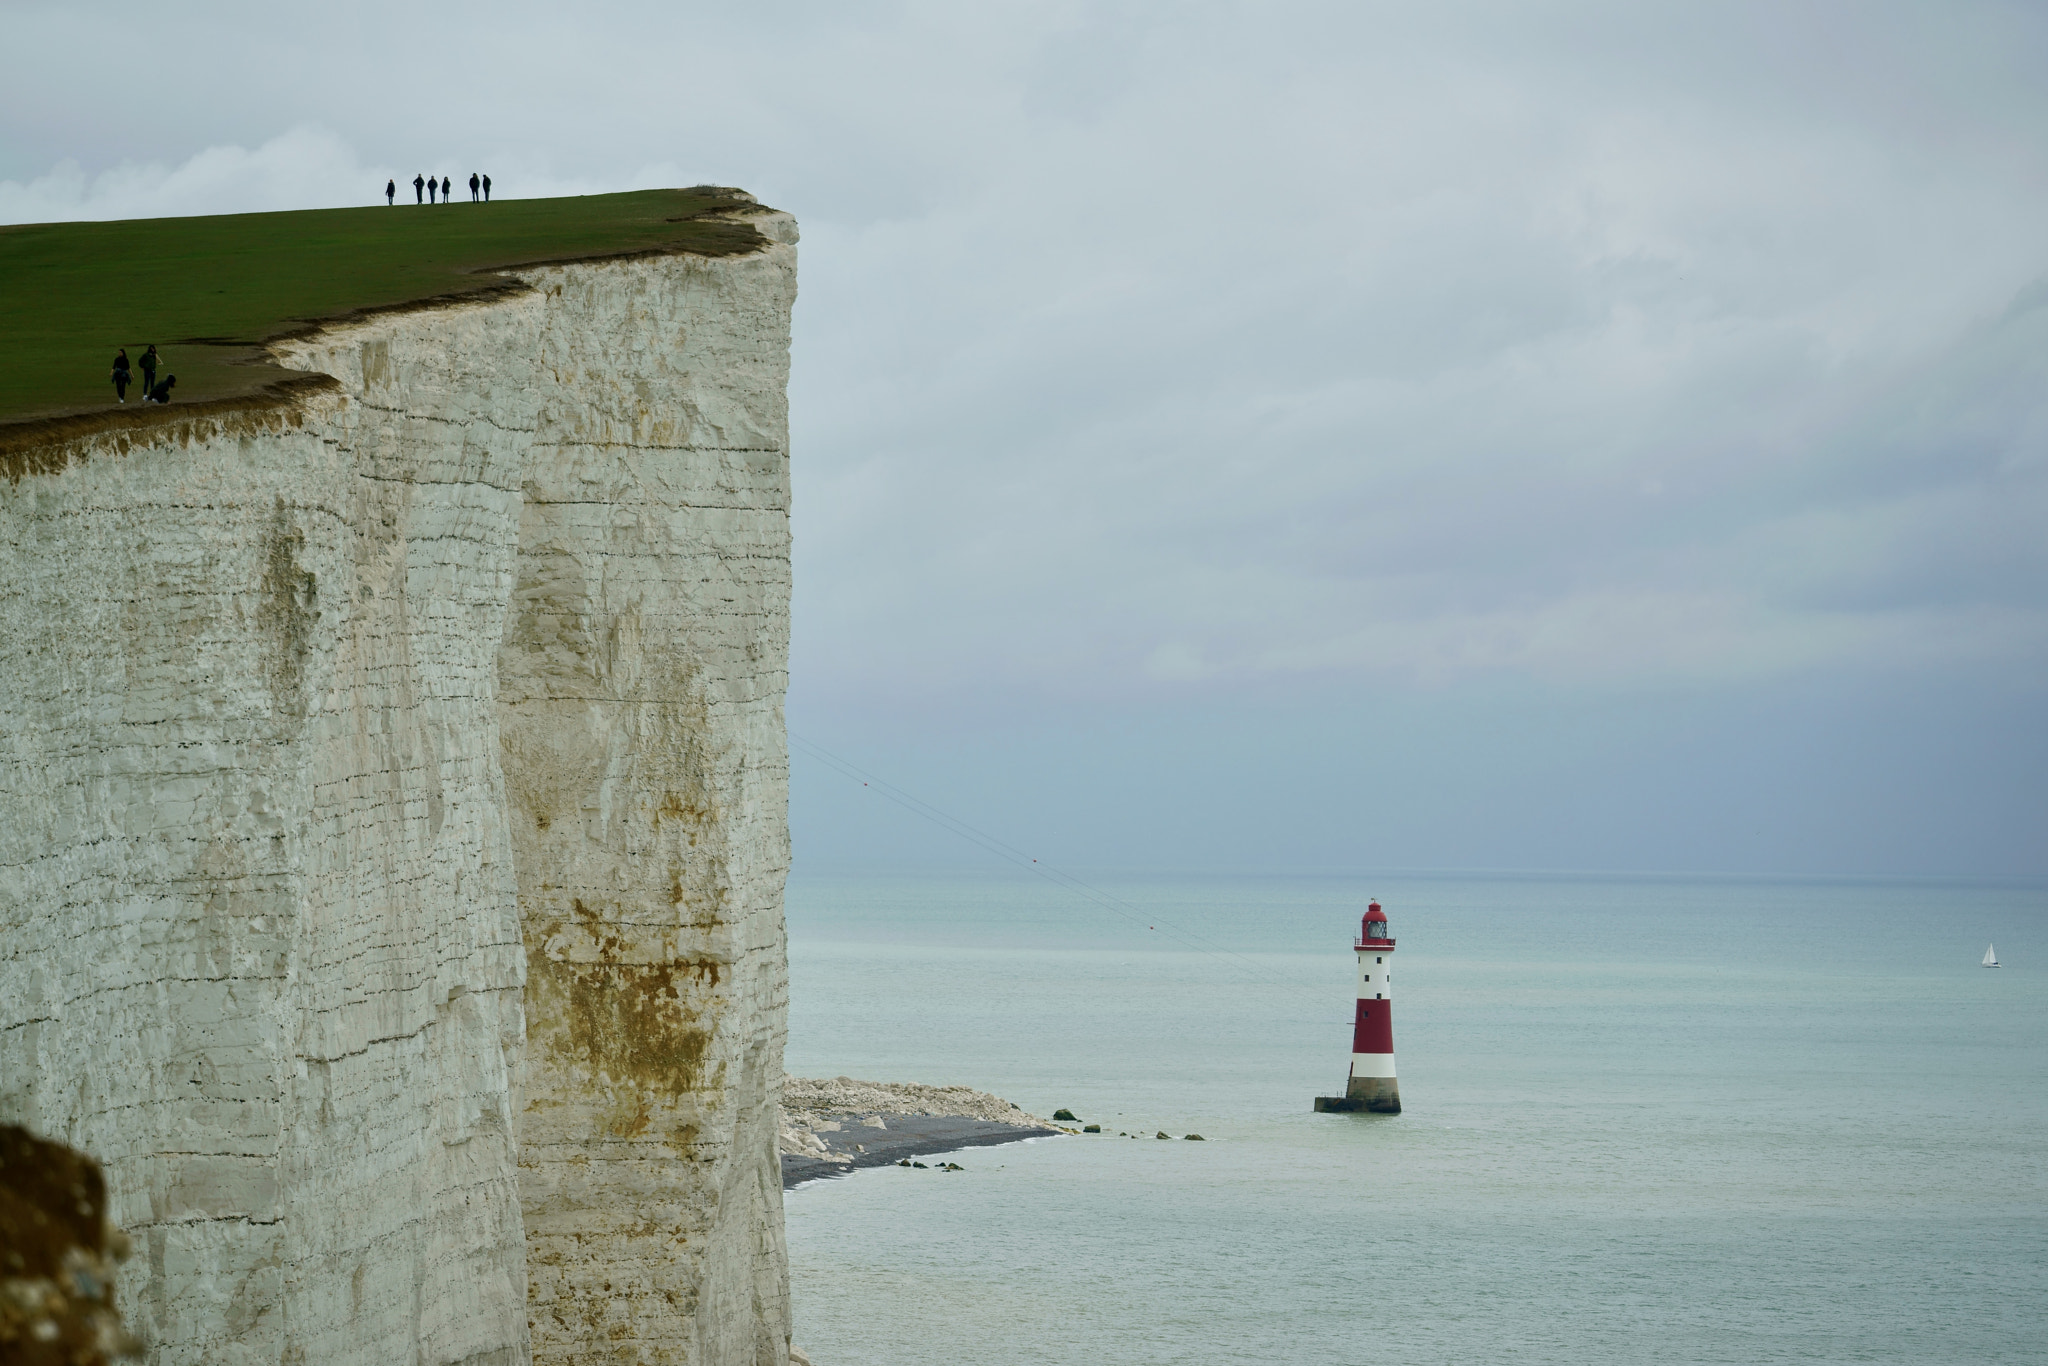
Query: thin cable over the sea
x=1010, y=853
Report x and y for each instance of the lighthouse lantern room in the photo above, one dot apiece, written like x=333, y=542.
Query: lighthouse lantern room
x=1371, y=1085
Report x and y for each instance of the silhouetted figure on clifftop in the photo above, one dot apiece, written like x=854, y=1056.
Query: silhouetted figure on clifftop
x=390, y=193
x=447, y=190
x=418, y=185
x=148, y=369
x=473, y=183
x=487, y=189
x=432, y=185
x=161, y=393
x=120, y=375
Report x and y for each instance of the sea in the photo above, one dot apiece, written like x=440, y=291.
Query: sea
x=1646, y=1120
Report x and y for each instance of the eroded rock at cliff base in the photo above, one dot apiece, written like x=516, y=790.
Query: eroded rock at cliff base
x=831, y=1126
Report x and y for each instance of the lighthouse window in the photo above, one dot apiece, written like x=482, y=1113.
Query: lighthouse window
x=1379, y=960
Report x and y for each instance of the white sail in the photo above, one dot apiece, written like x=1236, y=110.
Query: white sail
x=1990, y=956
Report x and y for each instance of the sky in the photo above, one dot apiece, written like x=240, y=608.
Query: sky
x=1295, y=437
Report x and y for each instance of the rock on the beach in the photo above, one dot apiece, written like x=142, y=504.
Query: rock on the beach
x=1194, y=1138
x=1091, y=1128
x=1067, y=1115
x=845, y=1096
x=801, y=1142
x=1163, y=1134
x=916, y=1119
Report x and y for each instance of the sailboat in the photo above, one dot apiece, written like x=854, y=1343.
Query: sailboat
x=1990, y=956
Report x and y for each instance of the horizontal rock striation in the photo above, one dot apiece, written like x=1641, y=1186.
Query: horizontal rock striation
x=393, y=785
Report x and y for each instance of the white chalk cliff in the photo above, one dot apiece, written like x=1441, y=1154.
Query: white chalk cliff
x=392, y=832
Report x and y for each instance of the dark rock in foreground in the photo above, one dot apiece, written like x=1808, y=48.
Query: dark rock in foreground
x=57, y=1255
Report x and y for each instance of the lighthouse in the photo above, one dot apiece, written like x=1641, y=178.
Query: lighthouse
x=1372, y=1085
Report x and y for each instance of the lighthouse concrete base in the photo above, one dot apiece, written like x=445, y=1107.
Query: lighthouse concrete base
x=1375, y=1095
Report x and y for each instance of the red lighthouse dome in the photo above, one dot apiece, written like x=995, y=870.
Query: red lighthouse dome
x=1374, y=926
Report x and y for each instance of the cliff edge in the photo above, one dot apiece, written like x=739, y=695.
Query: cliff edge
x=393, y=828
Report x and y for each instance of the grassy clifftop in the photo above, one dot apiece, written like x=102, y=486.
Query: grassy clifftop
x=211, y=291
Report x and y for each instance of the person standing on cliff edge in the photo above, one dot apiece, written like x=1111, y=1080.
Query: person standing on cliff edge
x=432, y=185
x=447, y=190
x=390, y=193
x=418, y=184
x=148, y=370
x=487, y=189
x=120, y=375
x=473, y=183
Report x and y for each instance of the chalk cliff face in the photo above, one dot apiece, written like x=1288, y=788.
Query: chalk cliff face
x=392, y=832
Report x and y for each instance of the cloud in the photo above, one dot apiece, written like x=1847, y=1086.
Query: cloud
x=1143, y=351
x=307, y=167
x=1426, y=355
x=301, y=168
x=1333, y=387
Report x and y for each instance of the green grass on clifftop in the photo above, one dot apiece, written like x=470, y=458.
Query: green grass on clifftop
x=210, y=291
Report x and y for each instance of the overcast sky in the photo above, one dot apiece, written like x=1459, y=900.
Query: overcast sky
x=1296, y=436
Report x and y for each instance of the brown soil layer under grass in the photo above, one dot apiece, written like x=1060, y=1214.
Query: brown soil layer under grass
x=211, y=293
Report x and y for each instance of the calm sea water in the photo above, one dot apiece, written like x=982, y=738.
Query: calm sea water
x=1647, y=1120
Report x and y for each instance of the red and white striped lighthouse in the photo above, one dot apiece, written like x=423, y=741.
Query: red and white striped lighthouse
x=1372, y=1085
